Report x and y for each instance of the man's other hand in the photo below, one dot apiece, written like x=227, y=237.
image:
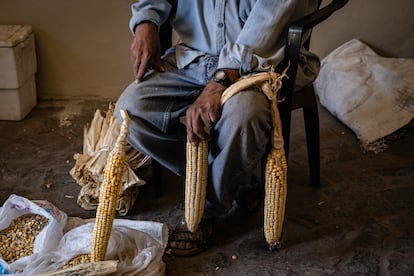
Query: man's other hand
x=145, y=50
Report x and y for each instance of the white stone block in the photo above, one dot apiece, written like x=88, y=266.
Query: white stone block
x=16, y=103
x=17, y=70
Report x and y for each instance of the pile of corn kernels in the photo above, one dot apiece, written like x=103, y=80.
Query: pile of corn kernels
x=79, y=259
x=17, y=240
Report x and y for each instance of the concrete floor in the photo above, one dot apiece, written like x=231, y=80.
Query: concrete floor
x=360, y=222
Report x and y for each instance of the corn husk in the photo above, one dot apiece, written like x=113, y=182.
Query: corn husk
x=88, y=171
x=86, y=269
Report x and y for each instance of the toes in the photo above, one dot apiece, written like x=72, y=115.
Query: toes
x=174, y=244
x=181, y=245
x=185, y=245
x=188, y=245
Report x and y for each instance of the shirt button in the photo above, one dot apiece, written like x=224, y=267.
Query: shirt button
x=220, y=25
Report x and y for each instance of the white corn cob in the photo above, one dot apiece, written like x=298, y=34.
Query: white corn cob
x=109, y=192
x=195, y=183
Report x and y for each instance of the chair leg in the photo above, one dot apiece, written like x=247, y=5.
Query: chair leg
x=311, y=118
x=156, y=178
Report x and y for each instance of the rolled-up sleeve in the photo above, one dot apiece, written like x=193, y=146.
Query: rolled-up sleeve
x=149, y=10
x=260, y=43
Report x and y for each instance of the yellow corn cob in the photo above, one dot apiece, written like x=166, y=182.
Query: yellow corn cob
x=276, y=167
x=275, y=197
x=109, y=192
x=275, y=179
x=195, y=183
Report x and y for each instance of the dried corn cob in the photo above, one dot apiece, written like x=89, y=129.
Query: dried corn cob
x=275, y=197
x=109, y=192
x=276, y=174
x=195, y=183
x=276, y=166
x=197, y=168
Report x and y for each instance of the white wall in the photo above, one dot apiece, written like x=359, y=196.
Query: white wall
x=387, y=26
x=83, y=46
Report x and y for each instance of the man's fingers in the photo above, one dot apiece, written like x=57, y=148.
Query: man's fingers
x=192, y=138
x=143, y=65
x=214, y=117
x=157, y=64
x=207, y=123
x=145, y=62
x=196, y=130
x=140, y=72
x=199, y=130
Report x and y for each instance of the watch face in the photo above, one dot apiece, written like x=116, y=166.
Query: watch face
x=220, y=75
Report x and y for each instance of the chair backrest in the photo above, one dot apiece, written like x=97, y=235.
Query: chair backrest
x=306, y=44
x=299, y=30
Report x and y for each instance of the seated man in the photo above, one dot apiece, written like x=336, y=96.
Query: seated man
x=219, y=41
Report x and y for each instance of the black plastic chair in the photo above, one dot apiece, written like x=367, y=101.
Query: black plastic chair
x=304, y=98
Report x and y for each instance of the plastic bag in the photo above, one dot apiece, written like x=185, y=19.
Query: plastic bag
x=138, y=245
x=47, y=239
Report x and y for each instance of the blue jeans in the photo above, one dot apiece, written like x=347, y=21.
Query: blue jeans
x=239, y=139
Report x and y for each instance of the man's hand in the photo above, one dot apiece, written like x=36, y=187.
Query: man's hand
x=204, y=112
x=145, y=49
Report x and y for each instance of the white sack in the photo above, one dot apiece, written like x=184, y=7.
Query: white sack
x=16, y=206
x=372, y=95
x=138, y=245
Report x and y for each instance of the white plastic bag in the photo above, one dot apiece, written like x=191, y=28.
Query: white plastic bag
x=48, y=238
x=138, y=245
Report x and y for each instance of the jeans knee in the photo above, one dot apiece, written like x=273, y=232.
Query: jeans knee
x=248, y=111
x=126, y=100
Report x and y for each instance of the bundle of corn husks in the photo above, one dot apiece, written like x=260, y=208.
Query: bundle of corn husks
x=88, y=171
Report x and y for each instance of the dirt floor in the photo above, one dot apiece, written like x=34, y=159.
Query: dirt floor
x=359, y=222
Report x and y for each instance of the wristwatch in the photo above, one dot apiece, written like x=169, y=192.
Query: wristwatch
x=220, y=76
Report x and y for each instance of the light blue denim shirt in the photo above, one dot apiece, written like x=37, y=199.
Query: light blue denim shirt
x=246, y=34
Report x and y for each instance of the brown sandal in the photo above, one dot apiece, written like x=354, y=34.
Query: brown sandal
x=184, y=243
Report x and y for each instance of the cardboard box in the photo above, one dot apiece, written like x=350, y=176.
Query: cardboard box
x=17, y=71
